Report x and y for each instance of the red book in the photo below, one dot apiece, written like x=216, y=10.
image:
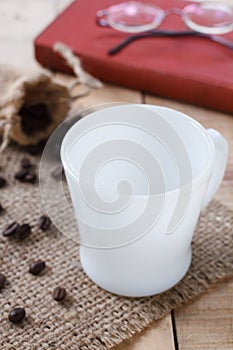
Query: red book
x=189, y=69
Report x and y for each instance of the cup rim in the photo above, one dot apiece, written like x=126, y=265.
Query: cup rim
x=195, y=182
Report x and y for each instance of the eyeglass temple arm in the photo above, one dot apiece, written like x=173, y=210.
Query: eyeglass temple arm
x=168, y=33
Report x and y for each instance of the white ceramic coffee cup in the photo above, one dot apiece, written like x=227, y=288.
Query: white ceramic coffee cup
x=139, y=176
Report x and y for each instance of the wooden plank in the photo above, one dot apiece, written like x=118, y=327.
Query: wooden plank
x=103, y=96
x=108, y=94
x=207, y=324
x=158, y=336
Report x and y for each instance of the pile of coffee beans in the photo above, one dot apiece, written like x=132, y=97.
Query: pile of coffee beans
x=36, y=267
x=21, y=231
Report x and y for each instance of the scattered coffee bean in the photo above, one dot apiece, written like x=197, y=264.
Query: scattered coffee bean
x=11, y=229
x=44, y=222
x=21, y=174
x=17, y=315
x=23, y=231
x=59, y=294
x=37, y=267
x=3, y=182
x=58, y=172
x=31, y=177
x=26, y=163
x=2, y=280
x=1, y=209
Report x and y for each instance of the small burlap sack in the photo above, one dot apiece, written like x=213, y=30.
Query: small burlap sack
x=89, y=318
x=32, y=104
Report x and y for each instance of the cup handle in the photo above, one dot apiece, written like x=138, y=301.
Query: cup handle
x=221, y=155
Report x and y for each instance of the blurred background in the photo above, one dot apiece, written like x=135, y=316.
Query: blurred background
x=20, y=22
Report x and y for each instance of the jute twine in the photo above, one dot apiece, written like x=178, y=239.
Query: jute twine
x=89, y=318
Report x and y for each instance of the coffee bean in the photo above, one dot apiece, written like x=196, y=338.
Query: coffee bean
x=1, y=209
x=21, y=174
x=37, y=267
x=17, y=315
x=3, y=182
x=2, y=280
x=59, y=294
x=31, y=177
x=58, y=172
x=23, y=231
x=11, y=229
x=44, y=222
x=26, y=163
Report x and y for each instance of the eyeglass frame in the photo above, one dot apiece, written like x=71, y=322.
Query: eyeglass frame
x=102, y=15
x=161, y=32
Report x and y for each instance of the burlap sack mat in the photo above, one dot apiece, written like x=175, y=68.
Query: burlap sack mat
x=89, y=318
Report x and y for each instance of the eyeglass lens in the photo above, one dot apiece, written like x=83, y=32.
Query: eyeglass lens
x=132, y=17
x=135, y=17
x=209, y=18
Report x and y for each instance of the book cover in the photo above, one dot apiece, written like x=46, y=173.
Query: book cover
x=189, y=69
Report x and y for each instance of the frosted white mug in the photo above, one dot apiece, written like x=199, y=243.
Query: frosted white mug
x=139, y=176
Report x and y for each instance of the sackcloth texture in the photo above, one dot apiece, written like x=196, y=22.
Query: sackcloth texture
x=29, y=88
x=89, y=318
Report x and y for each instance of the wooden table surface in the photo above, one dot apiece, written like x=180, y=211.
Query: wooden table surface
x=206, y=323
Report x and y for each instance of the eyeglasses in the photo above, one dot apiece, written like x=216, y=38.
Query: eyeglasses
x=204, y=19
x=136, y=17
